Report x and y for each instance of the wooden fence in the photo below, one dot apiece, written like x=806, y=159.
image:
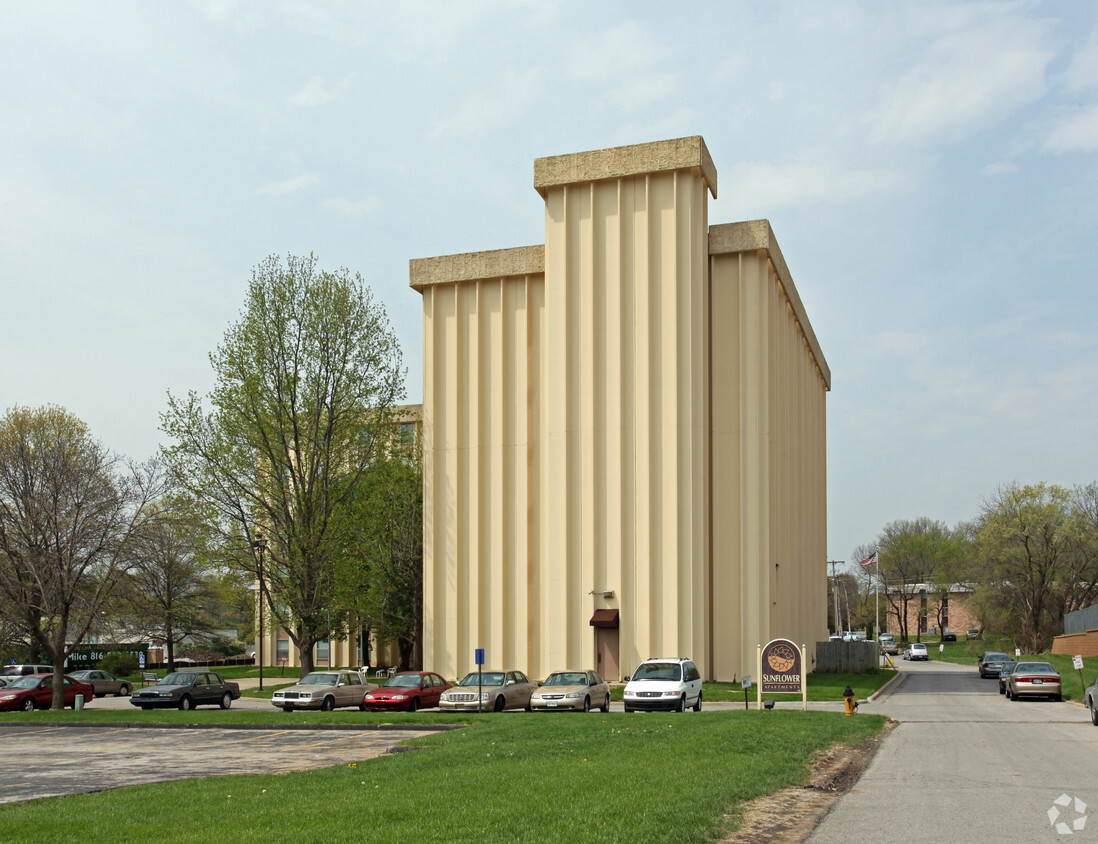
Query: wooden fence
x=846, y=657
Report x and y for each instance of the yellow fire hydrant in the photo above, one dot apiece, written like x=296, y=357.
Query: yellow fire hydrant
x=851, y=704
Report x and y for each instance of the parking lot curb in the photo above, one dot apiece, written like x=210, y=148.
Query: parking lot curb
x=167, y=726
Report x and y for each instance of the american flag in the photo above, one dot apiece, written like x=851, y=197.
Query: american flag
x=870, y=560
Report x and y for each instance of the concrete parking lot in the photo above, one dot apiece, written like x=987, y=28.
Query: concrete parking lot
x=56, y=759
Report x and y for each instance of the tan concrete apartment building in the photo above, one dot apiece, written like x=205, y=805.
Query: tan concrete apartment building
x=623, y=432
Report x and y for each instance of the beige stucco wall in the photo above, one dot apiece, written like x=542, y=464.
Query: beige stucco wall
x=769, y=452
x=608, y=412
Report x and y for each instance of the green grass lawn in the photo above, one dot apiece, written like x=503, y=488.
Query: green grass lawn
x=616, y=777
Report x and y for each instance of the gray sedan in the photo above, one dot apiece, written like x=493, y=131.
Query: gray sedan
x=103, y=683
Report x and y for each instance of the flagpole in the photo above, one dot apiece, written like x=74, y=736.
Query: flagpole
x=877, y=595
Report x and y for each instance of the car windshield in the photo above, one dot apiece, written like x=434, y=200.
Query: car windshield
x=177, y=679
x=659, y=671
x=24, y=683
x=318, y=678
x=1035, y=667
x=487, y=678
x=566, y=678
x=405, y=681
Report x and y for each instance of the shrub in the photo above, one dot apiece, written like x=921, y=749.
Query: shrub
x=119, y=664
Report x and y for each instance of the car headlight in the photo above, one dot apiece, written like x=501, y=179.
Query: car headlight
x=304, y=697
x=398, y=697
x=672, y=694
x=8, y=697
x=485, y=695
x=368, y=697
x=574, y=695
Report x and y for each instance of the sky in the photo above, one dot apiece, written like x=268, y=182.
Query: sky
x=930, y=170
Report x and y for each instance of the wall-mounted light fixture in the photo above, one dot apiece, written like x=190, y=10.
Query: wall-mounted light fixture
x=606, y=593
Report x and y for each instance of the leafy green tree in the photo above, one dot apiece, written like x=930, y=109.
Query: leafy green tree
x=913, y=554
x=1030, y=548
x=69, y=514
x=303, y=381
x=389, y=521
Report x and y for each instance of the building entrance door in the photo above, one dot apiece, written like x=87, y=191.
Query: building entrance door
x=606, y=646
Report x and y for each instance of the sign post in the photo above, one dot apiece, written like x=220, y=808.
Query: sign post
x=1077, y=661
x=746, y=683
x=478, y=658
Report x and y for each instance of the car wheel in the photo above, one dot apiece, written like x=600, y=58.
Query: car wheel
x=1057, y=697
x=414, y=707
x=501, y=704
x=529, y=707
x=226, y=700
x=682, y=703
x=362, y=707
x=606, y=705
x=123, y=691
x=587, y=703
x=1093, y=713
x=28, y=704
x=1010, y=694
x=329, y=704
x=186, y=703
x=698, y=705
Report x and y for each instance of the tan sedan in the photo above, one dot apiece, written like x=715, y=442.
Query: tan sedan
x=324, y=690
x=489, y=691
x=578, y=690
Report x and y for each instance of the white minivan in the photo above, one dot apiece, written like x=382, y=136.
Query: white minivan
x=670, y=684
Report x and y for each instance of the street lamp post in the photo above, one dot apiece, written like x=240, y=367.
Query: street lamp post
x=260, y=544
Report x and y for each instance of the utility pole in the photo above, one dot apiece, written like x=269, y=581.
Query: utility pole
x=835, y=592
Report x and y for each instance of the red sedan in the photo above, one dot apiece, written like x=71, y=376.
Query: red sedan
x=408, y=690
x=35, y=691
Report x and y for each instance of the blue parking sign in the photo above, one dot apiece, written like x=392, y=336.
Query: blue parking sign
x=479, y=656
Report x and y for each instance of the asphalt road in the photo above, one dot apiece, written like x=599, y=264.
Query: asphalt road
x=965, y=764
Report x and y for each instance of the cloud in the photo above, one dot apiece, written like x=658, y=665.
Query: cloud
x=497, y=107
x=351, y=207
x=760, y=184
x=967, y=79
x=1078, y=133
x=313, y=94
x=999, y=168
x=625, y=61
x=1082, y=73
x=297, y=183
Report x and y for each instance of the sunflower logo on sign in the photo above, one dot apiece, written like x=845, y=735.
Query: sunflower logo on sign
x=781, y=658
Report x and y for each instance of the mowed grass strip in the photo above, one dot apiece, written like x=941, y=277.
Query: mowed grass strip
x=616, y=777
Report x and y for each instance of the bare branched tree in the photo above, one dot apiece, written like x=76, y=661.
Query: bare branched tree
x=69, y=510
